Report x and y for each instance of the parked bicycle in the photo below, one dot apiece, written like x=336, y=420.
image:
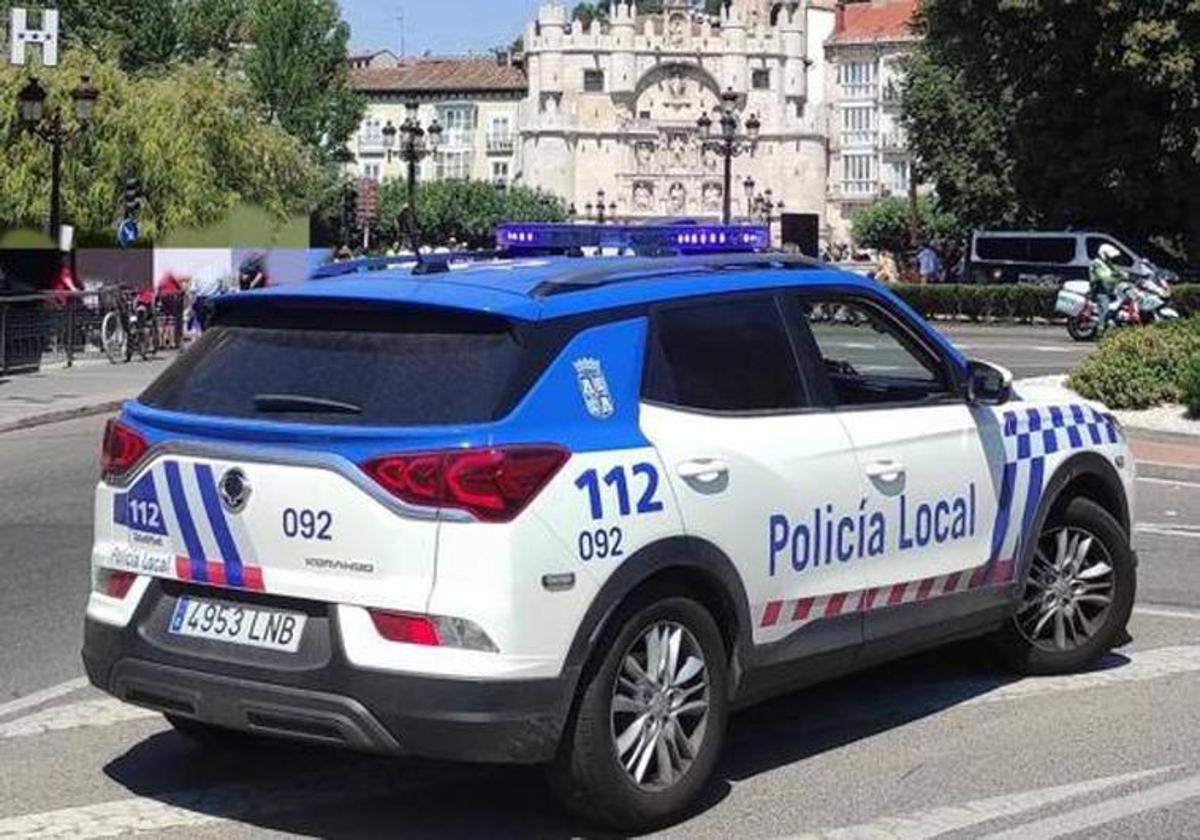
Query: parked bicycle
x=129, y=326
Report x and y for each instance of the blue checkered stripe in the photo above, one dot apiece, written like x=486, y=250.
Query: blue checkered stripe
x=1037, y=432
x=1030, y=435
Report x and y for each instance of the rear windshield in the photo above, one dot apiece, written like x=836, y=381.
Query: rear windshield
x=338, y=365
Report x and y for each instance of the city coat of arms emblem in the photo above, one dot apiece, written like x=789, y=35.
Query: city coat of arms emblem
x=594, y=388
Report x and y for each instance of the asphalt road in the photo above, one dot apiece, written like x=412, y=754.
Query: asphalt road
x=1027, y=351
x=942, y=744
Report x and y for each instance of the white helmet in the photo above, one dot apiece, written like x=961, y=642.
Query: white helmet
x=1108, y=253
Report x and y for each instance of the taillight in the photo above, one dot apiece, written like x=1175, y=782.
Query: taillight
x=492, y=484
x=114, y=584
x=400, y=627
x=121, y=450
x=431, y=630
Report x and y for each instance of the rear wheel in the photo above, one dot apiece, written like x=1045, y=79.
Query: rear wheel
x=1078, y=594
x=651, y=718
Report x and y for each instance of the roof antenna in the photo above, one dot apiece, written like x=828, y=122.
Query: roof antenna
x=400, y=18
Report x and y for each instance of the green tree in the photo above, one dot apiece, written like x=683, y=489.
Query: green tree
x=466, y=212
x=298, y=68
x=183, y=134
x=1082, y=114
x=886, y=224
x=210, y=28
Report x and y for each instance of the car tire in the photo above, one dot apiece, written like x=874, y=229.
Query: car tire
x=1075, y=597
x=588, y=774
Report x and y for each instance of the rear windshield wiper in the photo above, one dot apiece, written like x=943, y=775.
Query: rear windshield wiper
x=300, y=403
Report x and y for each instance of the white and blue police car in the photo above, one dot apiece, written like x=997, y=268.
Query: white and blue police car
x=573, y=512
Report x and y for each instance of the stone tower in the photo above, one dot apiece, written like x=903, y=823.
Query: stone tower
x=613, y=106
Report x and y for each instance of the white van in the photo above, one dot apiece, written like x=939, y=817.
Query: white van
x=1045, y=257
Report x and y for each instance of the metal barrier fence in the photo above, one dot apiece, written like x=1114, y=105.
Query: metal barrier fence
x=60, y=326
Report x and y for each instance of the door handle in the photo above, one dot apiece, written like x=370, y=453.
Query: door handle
x=703, y=470
x=886, y=470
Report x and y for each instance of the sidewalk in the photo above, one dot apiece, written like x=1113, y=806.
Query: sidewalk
x=59, y=393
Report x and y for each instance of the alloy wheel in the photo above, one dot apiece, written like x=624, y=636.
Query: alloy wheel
x=1069, y=592
x=660, y=702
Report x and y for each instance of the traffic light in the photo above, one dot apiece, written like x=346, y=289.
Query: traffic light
x=131, y=197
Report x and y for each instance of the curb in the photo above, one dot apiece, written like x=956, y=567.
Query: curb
x=61, y=415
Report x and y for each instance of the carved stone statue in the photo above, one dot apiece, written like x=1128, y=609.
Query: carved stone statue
x=677, y=198
x=677, y=147
x=643, y=196
x=643, y=153
x=711, y=196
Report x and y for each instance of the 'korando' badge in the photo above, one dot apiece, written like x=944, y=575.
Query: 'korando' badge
x=594, y=388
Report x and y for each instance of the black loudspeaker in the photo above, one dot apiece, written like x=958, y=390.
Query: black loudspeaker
x=802, y=230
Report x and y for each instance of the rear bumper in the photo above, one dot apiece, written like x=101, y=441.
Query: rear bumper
x=323, y=699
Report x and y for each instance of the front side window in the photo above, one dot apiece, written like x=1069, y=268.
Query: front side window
x=868, y=358
x=727, y=356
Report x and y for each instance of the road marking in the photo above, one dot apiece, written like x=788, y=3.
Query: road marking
x=1097, y=814
x=232, y=803
x=935, y=822
x=37, y=698
x=1142, y=666
x=1163, y=613
x=1167, y=481
x=1167, y=531
x=89, y=714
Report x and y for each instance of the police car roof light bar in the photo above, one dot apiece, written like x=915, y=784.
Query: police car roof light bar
x=646, y=268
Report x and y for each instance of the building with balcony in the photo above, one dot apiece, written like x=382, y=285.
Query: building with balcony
x=868, y=152
x=475, y=99
x=614, y=105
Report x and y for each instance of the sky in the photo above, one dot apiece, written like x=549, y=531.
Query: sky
x=437, y=26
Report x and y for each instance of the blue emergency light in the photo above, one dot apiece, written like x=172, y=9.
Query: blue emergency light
x=646, y=239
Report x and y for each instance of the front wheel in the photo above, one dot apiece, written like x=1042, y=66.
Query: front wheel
x=651, y=718
x=1078, y=593
x=1082, y=329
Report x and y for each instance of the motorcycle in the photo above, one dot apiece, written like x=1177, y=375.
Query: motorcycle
x=1142, y=299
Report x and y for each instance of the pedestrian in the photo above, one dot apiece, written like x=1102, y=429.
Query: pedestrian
x=888, y=272
x=929, y=264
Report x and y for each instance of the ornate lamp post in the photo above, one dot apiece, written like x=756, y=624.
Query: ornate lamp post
x=729, y=143
x=600, y=208
x=764, y=206
x=416, y=144
x=31, y=103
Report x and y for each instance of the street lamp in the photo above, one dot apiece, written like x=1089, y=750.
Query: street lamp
x=748, y=187
x=31, y=107
x=600, y=206
x=729, y=143
x=416, y=143
x=764, y=206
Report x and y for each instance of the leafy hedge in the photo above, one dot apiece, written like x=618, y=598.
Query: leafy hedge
x=1144, y=367
x=1191, y=387
x=1006, y=302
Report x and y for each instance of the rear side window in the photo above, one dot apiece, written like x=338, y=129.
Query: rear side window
x=1052, y=249
x=1006, y=248
x=342, y=366
x=732, y=355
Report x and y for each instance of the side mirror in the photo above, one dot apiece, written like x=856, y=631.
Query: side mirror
x=988, y=384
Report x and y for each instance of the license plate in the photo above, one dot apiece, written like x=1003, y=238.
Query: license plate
x=237, y=624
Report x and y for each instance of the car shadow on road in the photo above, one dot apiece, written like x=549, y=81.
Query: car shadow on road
x=332, y=793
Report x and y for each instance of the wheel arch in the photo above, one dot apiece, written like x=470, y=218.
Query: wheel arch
x=687, y=562
x=1088, y=475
